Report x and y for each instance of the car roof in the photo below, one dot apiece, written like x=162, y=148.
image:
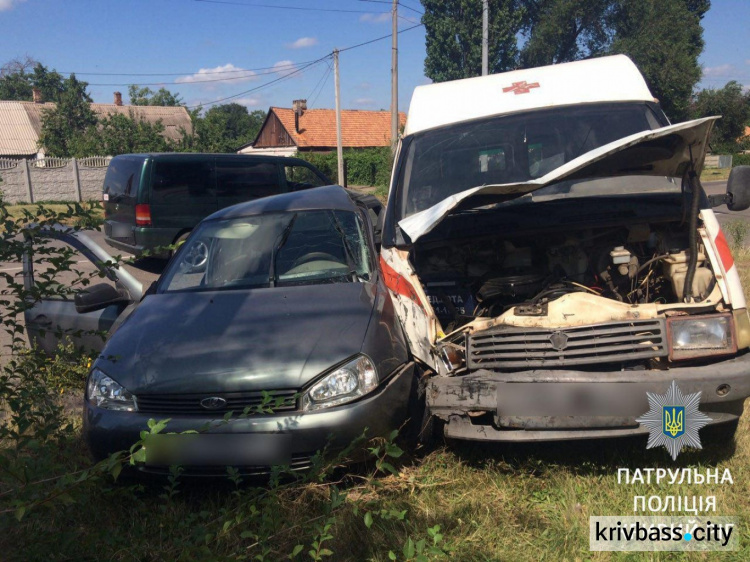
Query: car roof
x=330, y=197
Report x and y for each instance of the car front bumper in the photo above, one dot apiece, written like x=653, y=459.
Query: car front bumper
x=292, y=438
x=550, y=405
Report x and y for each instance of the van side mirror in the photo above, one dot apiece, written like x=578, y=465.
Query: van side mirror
x=738, y=188
x=98, y=297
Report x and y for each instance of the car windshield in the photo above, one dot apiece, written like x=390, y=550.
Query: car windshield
x=510, y=148
x=272, y=250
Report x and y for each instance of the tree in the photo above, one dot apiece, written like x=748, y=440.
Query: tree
x=664, y=38
x=454, y=37
x=63, y=128
x=146, y=96
x=224, y=128
x=19, y=76
x=734, y=107
x=120, y=134
x=564, y=30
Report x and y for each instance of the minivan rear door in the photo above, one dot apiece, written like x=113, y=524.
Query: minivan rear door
x=239, y=180
x=120, y=196
x=52, y=321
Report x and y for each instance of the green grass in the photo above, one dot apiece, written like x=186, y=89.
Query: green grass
x=713, y=174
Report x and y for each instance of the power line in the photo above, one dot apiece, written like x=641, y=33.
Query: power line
x=178, y=73
x=327, y=77
x=286, y=7
x=251, y=74
x=379, y=38
x=389, y=3
x=286, y=76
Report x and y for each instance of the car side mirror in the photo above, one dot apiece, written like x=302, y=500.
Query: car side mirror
x=98, y=297
x=738, y=189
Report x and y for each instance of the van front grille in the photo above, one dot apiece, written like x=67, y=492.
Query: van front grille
x=511, y=347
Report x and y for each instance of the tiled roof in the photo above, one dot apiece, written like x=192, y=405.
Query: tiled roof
x=21, y=122
x=17, y=134
x=359, y=129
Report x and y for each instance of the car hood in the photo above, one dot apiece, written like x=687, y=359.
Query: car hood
x=227, y=341
x=667, y=151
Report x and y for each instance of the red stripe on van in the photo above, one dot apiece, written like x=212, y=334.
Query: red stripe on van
x=725, y=254
x=398, y=283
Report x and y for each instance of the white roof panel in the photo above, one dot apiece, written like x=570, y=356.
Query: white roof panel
x=604, y=79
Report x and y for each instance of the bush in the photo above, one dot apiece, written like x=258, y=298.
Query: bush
x=741, y=160
x=367, y=166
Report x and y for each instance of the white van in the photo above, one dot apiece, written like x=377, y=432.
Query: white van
x=554, y=256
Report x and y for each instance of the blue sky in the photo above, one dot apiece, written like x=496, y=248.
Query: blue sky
x=195, y=41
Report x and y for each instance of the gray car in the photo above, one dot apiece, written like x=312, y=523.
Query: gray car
x=279, y=299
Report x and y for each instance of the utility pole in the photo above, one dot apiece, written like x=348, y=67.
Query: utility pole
x=339, y=149
x=485, y=36
x=394, y=75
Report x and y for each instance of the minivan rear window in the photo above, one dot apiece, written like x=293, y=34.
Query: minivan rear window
x=247, y=179
x=123, y=176
x=175, y=181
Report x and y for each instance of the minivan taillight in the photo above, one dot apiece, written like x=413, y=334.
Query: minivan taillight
x=142, y=215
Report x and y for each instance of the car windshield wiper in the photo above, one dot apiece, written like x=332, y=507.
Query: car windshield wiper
x=272, y=277
x=350, y=263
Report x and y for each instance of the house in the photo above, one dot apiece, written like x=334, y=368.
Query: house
x=21, y=122
x=289, y=130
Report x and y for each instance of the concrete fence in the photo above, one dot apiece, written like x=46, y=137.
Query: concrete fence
x=53, y=179
x=718, y=161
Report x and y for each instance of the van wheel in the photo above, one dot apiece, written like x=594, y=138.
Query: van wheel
x=179, y=242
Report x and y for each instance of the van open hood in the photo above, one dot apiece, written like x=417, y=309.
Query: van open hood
x=662, y=152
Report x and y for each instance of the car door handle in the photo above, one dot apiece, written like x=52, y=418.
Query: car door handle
x=42, y=320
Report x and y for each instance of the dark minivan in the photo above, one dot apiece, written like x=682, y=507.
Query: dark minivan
x=155, y=200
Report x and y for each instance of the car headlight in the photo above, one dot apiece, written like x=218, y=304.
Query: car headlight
x=345, y=384
x=105, y=392
x=701, y=336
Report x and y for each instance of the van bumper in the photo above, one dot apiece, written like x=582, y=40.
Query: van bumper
x=550, y=405
x=146, y=239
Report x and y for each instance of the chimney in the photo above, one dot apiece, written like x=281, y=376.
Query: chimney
x=299, y=107
x=36, y=95
x=118, y=98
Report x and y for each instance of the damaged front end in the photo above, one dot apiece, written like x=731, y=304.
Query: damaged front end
x=547, y=309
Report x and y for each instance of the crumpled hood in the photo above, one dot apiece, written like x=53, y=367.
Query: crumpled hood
x=227, y=341
x=662, y=152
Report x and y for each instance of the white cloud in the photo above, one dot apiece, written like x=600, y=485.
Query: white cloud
x=303, y=43
x=229, y=73
x=364, y=102
x=8, y=4
x=364, y=86
x=376, y=18
x=284, y=67
x=718, y=71
x=249, y=102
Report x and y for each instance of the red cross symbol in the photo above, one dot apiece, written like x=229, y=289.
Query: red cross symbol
x=520, y=87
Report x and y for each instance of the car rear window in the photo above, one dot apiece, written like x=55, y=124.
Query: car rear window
x=181, y=181
x=123, y=176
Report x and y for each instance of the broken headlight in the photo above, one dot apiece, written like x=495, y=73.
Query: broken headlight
x=701, y=336
x=344, y=384
x=105, y=392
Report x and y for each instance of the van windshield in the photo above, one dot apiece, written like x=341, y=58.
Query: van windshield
x=510, y=148
x=275, y=249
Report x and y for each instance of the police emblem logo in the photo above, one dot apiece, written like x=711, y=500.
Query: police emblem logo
x=673, y=420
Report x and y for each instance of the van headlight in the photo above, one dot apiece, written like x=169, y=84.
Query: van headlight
x=692, y=337
x=105, y=392
x=344, y=384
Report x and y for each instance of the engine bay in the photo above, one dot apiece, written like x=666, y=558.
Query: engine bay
x=632, y=264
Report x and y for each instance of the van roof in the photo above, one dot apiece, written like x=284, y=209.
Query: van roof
x=194, y=155
x=605, y=79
